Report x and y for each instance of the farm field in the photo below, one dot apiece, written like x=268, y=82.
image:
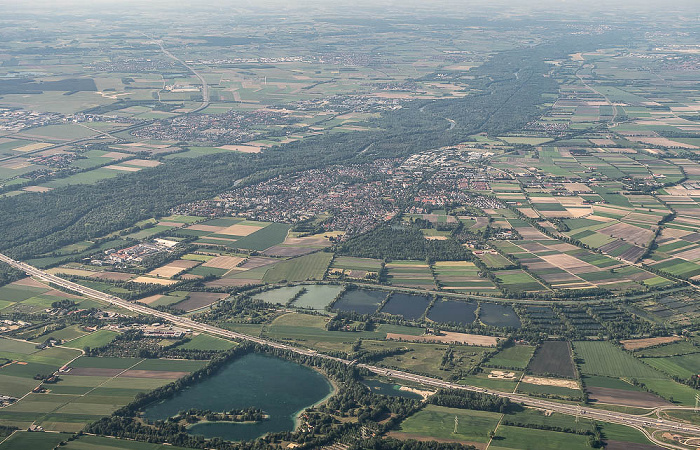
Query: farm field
x=302, y=268
x=682, y=367
x=515, y=357
x=207, y=342
x=553, y=357
x=92, y=388
x=462, y=277
x=87, y=442
x=95, y=339
x=493, y=260
x=17, y=377
x=40, y=441
x=528, y=439
x=354, y=268
x=519, y=281
x=410, y=274
x=604, y=359
x=438, y=422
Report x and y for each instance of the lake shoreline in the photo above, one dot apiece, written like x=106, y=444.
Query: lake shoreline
x=334, y=389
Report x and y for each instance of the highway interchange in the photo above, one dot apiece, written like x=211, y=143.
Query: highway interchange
x=642, y=423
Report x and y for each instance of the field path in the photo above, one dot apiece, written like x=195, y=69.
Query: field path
x=83, y=395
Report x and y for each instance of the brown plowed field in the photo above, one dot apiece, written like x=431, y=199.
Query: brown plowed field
x=627, y=398
x=153, y=374
x=636, y=344
x=94, y=372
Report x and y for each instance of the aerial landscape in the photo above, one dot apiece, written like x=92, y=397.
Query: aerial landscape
x=269, y=225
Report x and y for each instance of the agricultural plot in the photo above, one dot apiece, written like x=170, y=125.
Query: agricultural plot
x=310, y=331
x=674, y=347
x=438, y=422
x=86, y=442
x=172, y=269
x=197, y=300
x=297, y=246
x=411, y=307
x=355, y=268
x=302, y=268
x=553, y=358
x=93, y=388
x=207, y=342
x=25, y=361
x=493, y=260
x=604, y=359
x=550, y=387
x=237, y=233
x=95, y=339
x=617, y=392
x=529, y=439
x=682, y=367
x=268, y=236
x=565, y=266
x=515, y=357
x=29, y=296
x=518, y=281
x=39, y=441
x=68, y=333
x=415, y=274
x=462, y=277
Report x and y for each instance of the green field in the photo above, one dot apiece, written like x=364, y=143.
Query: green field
x=309, y=267
x=24, y=440
x=68, y=333
x=515, y=357
x=494, y=261
x=103, y=443
x=105, y=362
x=272, y=234
x=603, y=358
x=518, y=281
x=95, y=339
x=207, y=342
x=679, y=366
x=438, y=422
x=13, y=346
x=529, y=439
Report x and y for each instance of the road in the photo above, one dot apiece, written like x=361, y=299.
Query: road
x=205, y=86
x=634, y=421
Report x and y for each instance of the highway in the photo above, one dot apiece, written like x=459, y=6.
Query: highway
x=639, y=422
x=205, y=86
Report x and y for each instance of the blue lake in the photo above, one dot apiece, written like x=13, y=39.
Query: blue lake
x=282, y=389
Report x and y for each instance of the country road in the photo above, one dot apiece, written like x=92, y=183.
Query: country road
x=638, y=422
